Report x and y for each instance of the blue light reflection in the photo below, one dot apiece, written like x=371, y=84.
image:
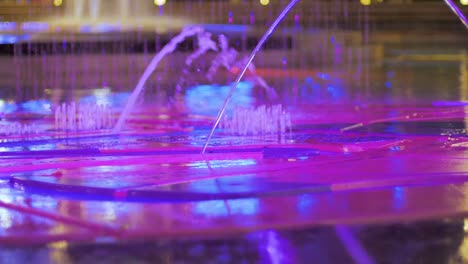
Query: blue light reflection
x=35, y=26
x=207, y=98
x=398, y=197
x=104, y=96
x=7, y=107
x=220, y=208
x=324, y=87
x=37, y=106
x=213, y=164
x=12, y=39
x=306, y=203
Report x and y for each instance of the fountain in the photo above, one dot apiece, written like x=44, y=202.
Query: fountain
x=257, y=49
x=101, y=134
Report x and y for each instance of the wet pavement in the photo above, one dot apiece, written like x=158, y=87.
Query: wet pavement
x=435, y=241
x=374, y=169
x=389, y=189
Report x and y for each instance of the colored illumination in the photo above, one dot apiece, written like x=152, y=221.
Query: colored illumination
x=464, y=2
x=7, y=26
x=102, y=96
x=221, y=163
x=6, y=215
x=159, y=2
x=264, y=2
x=2, y=105
x=399, y=197
x=197, y=97
x=223, y=28
x=306, y=204
x=35, y=26
x=7, y=106
x=12, y=39
x=224, y=208
x=103, y=27
x=365, y=2
x=37, y=106
x=58, y=2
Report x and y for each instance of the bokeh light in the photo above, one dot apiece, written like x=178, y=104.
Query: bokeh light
x=365, y=2
x=159, y=2
x=58, y=2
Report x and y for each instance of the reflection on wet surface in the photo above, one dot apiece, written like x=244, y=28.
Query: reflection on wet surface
x=412, y=242
x=372, y=171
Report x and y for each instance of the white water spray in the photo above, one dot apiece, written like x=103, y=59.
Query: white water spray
x=249, y=61
x=168, y=49
x=73, y=117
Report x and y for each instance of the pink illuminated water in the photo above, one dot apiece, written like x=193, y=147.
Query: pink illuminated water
x=149, y=70
x=339, y=128
x=252, y=56
x=457, y=12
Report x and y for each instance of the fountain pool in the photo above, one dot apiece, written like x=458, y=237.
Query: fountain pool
x=335, y=125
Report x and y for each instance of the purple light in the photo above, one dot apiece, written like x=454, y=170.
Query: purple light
x=223, y=28
x=252, y=18
x=275, y=249
x=296, y=19
x=457, y=12
x=35, y=26
x=7, y=26
x=450, y=103
x=353, y=246
x=12, y=39
x=230, y=17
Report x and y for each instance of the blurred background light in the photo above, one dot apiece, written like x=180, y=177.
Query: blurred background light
x=365, y=2
x=159, y=2
x=58, y=2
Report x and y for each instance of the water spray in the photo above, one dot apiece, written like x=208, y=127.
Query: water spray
x=249, y=61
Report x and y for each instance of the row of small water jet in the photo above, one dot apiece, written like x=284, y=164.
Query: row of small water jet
x=248, y=62
x=16, y=128
x=72, y=117
x=262, y=120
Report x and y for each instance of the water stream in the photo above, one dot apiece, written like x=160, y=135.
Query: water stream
x=257, y=49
